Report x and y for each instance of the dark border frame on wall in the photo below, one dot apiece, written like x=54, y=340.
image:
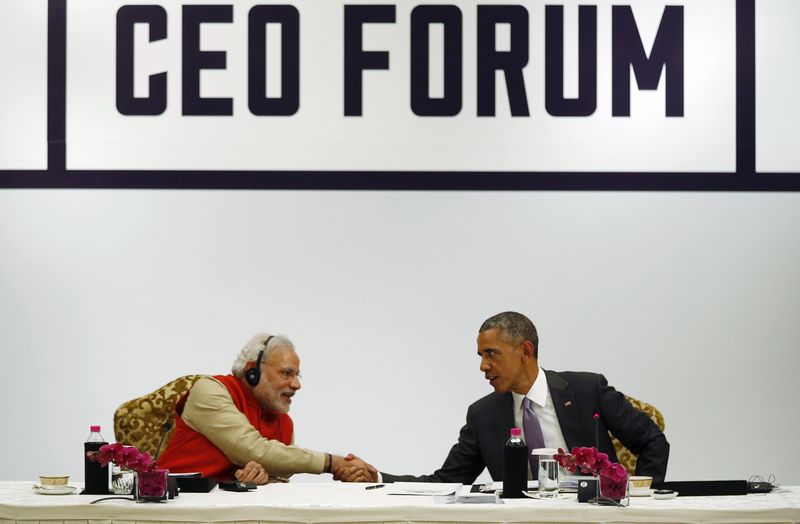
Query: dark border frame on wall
x=744, y=179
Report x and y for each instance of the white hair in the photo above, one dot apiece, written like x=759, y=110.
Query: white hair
x=249, y=352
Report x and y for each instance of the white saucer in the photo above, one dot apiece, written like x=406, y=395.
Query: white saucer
x=54, y=490
x=643, y=493
x=664, y=496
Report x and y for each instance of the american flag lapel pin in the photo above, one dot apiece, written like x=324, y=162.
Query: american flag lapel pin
x=567, y=403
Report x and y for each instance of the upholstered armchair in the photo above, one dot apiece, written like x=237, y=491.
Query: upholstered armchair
x=139, y=422
x=625, y=457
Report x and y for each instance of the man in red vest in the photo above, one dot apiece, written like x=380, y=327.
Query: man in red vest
x=237, y=426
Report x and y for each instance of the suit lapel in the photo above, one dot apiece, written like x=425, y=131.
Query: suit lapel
x=566, y=410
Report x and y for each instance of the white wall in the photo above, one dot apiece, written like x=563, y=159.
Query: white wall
x=686, y=300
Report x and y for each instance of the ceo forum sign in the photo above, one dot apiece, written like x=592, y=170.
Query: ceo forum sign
x=331, y=86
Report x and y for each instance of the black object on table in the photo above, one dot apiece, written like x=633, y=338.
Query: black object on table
x=235, y=485
x=705, y=488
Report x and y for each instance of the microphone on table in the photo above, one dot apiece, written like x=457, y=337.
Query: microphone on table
x=172, y=482
x=164, y=430
x=589, y=489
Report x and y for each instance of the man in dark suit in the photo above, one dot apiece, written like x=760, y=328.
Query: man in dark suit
x=564, y=404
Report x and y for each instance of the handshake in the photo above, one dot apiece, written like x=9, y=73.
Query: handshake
x=347, y=469
x=352, y=469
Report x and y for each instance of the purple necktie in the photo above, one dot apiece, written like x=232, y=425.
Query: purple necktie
x=533, y=434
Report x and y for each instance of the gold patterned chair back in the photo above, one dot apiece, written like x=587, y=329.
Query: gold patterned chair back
x=625, y=457
x=139, y=422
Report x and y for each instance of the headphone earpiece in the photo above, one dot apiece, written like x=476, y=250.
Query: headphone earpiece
x=253, y=375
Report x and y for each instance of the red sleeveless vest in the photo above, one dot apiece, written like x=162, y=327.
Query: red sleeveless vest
x=190, y=451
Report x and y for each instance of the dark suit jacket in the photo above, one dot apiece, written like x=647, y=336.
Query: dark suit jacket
x=576, y=397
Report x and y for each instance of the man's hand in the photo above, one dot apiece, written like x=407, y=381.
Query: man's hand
x=252, y=472
x=353, y=469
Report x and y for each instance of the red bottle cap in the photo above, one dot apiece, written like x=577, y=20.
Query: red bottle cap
x=94, y=429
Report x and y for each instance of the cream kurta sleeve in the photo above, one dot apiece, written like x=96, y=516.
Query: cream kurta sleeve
x=210, y=411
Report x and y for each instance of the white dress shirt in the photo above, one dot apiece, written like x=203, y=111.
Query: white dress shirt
x=545, y=411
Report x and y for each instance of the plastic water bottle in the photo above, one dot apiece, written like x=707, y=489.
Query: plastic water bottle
x=95, y=476
x=515, y=466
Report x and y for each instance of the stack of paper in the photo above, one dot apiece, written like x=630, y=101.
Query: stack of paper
x=465, y=495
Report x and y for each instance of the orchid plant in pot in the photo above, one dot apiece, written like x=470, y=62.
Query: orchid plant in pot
x=612, y=476
x=151, y=482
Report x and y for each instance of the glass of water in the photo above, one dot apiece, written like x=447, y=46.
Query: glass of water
x=548, y=476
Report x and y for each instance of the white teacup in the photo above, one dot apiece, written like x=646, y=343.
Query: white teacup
x=640, y=485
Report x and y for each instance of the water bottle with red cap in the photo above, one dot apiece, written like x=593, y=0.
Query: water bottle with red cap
x=95, y=476
x=515, y=466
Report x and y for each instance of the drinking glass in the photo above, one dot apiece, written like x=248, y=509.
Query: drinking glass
x=548, y=476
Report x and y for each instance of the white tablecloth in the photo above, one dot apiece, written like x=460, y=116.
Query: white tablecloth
x=336, y=502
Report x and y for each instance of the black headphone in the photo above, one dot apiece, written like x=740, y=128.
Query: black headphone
x=253, y=375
